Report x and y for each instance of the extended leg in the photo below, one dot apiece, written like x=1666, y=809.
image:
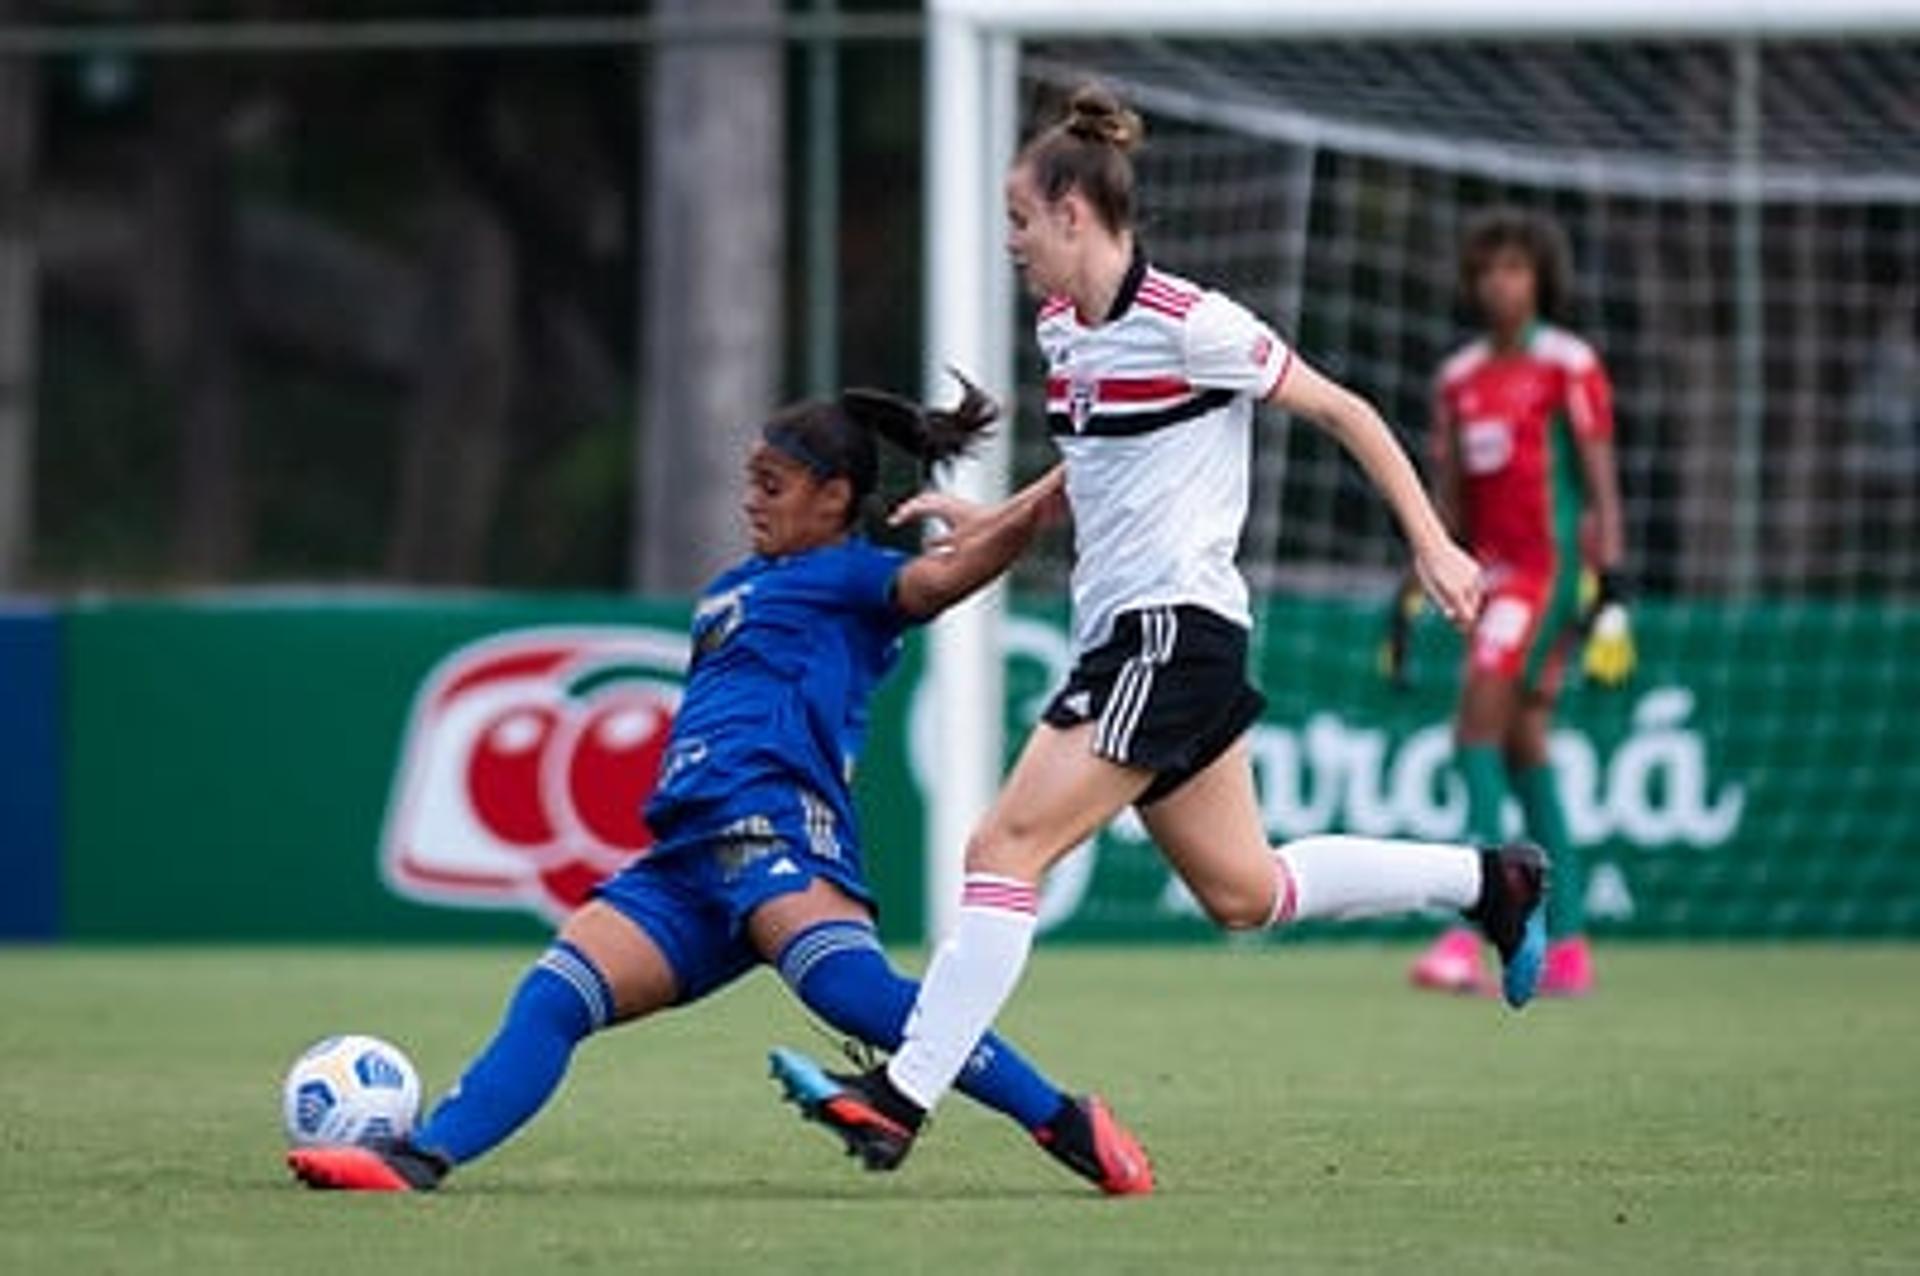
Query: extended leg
x=1210, y=830
x=562, y=999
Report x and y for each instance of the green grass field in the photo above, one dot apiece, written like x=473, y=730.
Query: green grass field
x=1731, y=1109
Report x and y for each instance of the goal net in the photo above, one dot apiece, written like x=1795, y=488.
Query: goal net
x=1745, y=220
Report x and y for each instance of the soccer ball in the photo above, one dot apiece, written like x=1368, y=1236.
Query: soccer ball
x=350, y=1089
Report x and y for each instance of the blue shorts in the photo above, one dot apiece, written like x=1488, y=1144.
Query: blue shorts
x=694, y=901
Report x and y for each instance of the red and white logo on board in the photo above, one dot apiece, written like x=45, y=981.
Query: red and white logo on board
x=527, y=759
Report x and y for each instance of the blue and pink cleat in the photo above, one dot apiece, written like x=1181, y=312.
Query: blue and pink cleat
x=878, y=1124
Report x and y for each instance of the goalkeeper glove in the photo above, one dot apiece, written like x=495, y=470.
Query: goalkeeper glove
x=1609, y=657
x=1409, y=601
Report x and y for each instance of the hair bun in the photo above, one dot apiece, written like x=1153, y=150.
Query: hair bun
x=1095, y=115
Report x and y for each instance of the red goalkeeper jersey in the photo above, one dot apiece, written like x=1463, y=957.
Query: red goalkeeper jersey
x=1508, y=419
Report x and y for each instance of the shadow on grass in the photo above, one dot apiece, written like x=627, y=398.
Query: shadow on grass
x=854, y=1190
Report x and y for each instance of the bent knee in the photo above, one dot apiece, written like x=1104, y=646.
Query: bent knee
x=1524, y=759
x=1239, y=907
x=1008, y=849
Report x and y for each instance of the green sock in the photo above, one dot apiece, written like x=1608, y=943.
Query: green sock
x=1547, y=825
x=1486, y=776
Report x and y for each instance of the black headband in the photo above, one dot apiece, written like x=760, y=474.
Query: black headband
x=787, y=441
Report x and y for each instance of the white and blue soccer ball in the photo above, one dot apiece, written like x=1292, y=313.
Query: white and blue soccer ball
x=350, y=1089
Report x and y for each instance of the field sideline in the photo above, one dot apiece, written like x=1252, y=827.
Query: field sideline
x=1731, y=1109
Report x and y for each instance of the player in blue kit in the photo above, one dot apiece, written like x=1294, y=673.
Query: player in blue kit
x=757, y=855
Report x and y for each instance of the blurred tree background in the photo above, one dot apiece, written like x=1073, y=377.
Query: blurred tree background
x=400, y=316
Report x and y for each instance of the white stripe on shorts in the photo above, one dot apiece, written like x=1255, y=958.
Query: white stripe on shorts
x=1154, y=626
x=1159, y=630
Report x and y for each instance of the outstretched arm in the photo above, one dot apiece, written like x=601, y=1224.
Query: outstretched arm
x=1447, y=572
x=1409, y=599
x=1446, y=466
x=979, y=544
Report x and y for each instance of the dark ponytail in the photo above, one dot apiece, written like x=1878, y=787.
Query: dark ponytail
x=837, y=439
x=929, y=435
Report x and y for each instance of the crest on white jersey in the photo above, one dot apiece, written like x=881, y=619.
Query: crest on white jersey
x=1080, y=401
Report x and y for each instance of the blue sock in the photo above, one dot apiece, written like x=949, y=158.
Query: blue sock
x=838, y=970
x=559, y=1002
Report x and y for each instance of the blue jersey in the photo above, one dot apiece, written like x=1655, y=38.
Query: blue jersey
x=786, y=653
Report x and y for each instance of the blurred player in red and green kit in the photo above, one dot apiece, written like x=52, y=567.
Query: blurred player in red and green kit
x=1524, y=467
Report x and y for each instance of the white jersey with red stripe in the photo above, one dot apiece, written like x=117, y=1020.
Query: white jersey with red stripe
x=1152, y=408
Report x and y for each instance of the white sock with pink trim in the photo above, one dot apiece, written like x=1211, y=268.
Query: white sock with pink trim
x=1343, y=876
x=972, y=975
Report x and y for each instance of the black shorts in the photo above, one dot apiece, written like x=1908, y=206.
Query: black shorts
x=1167, y=693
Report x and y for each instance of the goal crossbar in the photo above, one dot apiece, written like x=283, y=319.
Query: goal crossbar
x=1452, y=19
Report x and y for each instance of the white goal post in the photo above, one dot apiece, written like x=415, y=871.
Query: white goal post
x=972, y=119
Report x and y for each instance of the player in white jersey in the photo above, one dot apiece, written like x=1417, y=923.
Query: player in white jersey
x=1151, y=386
x=1152, y=410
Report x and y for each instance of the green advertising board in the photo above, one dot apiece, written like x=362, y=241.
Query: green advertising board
x=424, y=769
x=1759, y=777
x=442, y=769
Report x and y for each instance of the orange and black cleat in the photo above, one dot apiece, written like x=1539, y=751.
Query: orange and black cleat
x=876, y=1123
x=351, y=1168
x=1089, y=1140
